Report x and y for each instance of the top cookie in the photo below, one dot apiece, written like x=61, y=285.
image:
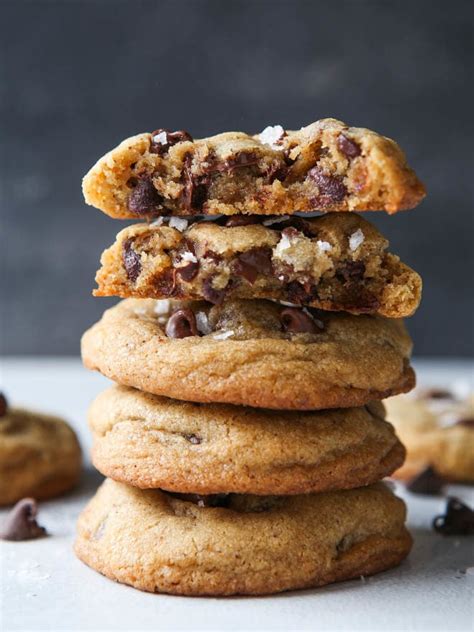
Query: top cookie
x=325, y=166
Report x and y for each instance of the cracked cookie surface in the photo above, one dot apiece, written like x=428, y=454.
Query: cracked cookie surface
x=157, y=542
x=155, y=442
x=255, y=353
x=334, y=262
x=325, y=166
x=39, y=456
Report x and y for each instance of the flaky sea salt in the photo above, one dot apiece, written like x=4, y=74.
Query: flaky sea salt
x=162, y=306
x=202, y=323
x=188, y=257
x=179, y=223
x=158, y=221
x=271, y=135
x=323, y=246
x=282, y=245
x=223, y=335
x=356, y=239
x=160, y=138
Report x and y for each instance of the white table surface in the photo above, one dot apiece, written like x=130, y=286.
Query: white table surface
x=44, y=587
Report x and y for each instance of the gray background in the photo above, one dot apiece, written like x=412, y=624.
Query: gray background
x=78, y=77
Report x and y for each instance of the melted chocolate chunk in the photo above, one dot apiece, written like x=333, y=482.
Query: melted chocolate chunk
x=144, y=198
x=192, y=438
x=131, y=260
x=252, y=262
x=3, y=405
x=300, y=294
x=195, y=188
x=241, y=220
x=428, y=482
x=213, y=256
x=242, y=159
x=331, y=188
x=182, y=324
x=166, y=282
x=21, y=524
x=212, y=294
x=347, y=146
x=297, y=321
x=350, y=271
x=458, y=519
x=276, y=171
x=211, y=500
x=189, y=271
x=172, y=138
x=297, y=223
x=468, y=422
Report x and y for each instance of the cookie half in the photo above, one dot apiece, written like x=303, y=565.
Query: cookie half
x=156, y=442
x=334, y=262
x=255, y=353
x=39, y=456
x=437, y=428
x=324, y=166
x=254, y=545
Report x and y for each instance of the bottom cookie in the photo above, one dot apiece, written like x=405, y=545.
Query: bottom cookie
x=161, y=542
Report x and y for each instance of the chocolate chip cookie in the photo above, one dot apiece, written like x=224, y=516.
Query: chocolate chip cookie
x=325, y=166
x=256, y=353
x=156, y=442
x=39, y=455
x=333, y=262
x=160, y=542
x=437, y=428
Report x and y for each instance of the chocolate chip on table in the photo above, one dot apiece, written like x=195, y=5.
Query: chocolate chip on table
x=331, y=188
x=182, y=324
x=192, y=438
x=253, y=262
x=297, y=321
x=428, y=483
x=144, y=198
x=21, y=524
x=467, y=422
x=167, y=140
x=3, y=405
x=212, y=294
x=458, y=519
x=131, y=260
x=347, y=146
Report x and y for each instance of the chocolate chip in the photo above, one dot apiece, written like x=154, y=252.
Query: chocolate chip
x=241, y=220
x=172, y=138
x=331, y=188
x=131, y=260
x=428, y=482
x=351, y=271
x=144, y=198
x=300, y=293
x=347, y=146
x=192, y=438
x=189, y=271
x=21, y=524
x=211, y=500
x=437, y=393
x=182, y=324
x=458, y=519
x=195, y=187
x=253, y=262
x=165, y=283
x=468, y=422
x=276, y=171
x=212, y=294
x=242, y=159
x=297, y=321
x=3, y=405
x=213, y=256
x=298, y=223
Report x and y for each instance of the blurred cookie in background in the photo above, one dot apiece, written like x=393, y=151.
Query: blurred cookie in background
x=436, y=426
x=40, y=455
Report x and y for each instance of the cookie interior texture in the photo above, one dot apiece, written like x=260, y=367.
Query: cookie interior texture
x=248, y=358
x=324, y=166
x=435, y=433
x=155, y=442
x=39, y=456
x=255, y=545
x=333, y=262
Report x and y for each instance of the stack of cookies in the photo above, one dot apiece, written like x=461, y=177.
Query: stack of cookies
x=245, y=440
